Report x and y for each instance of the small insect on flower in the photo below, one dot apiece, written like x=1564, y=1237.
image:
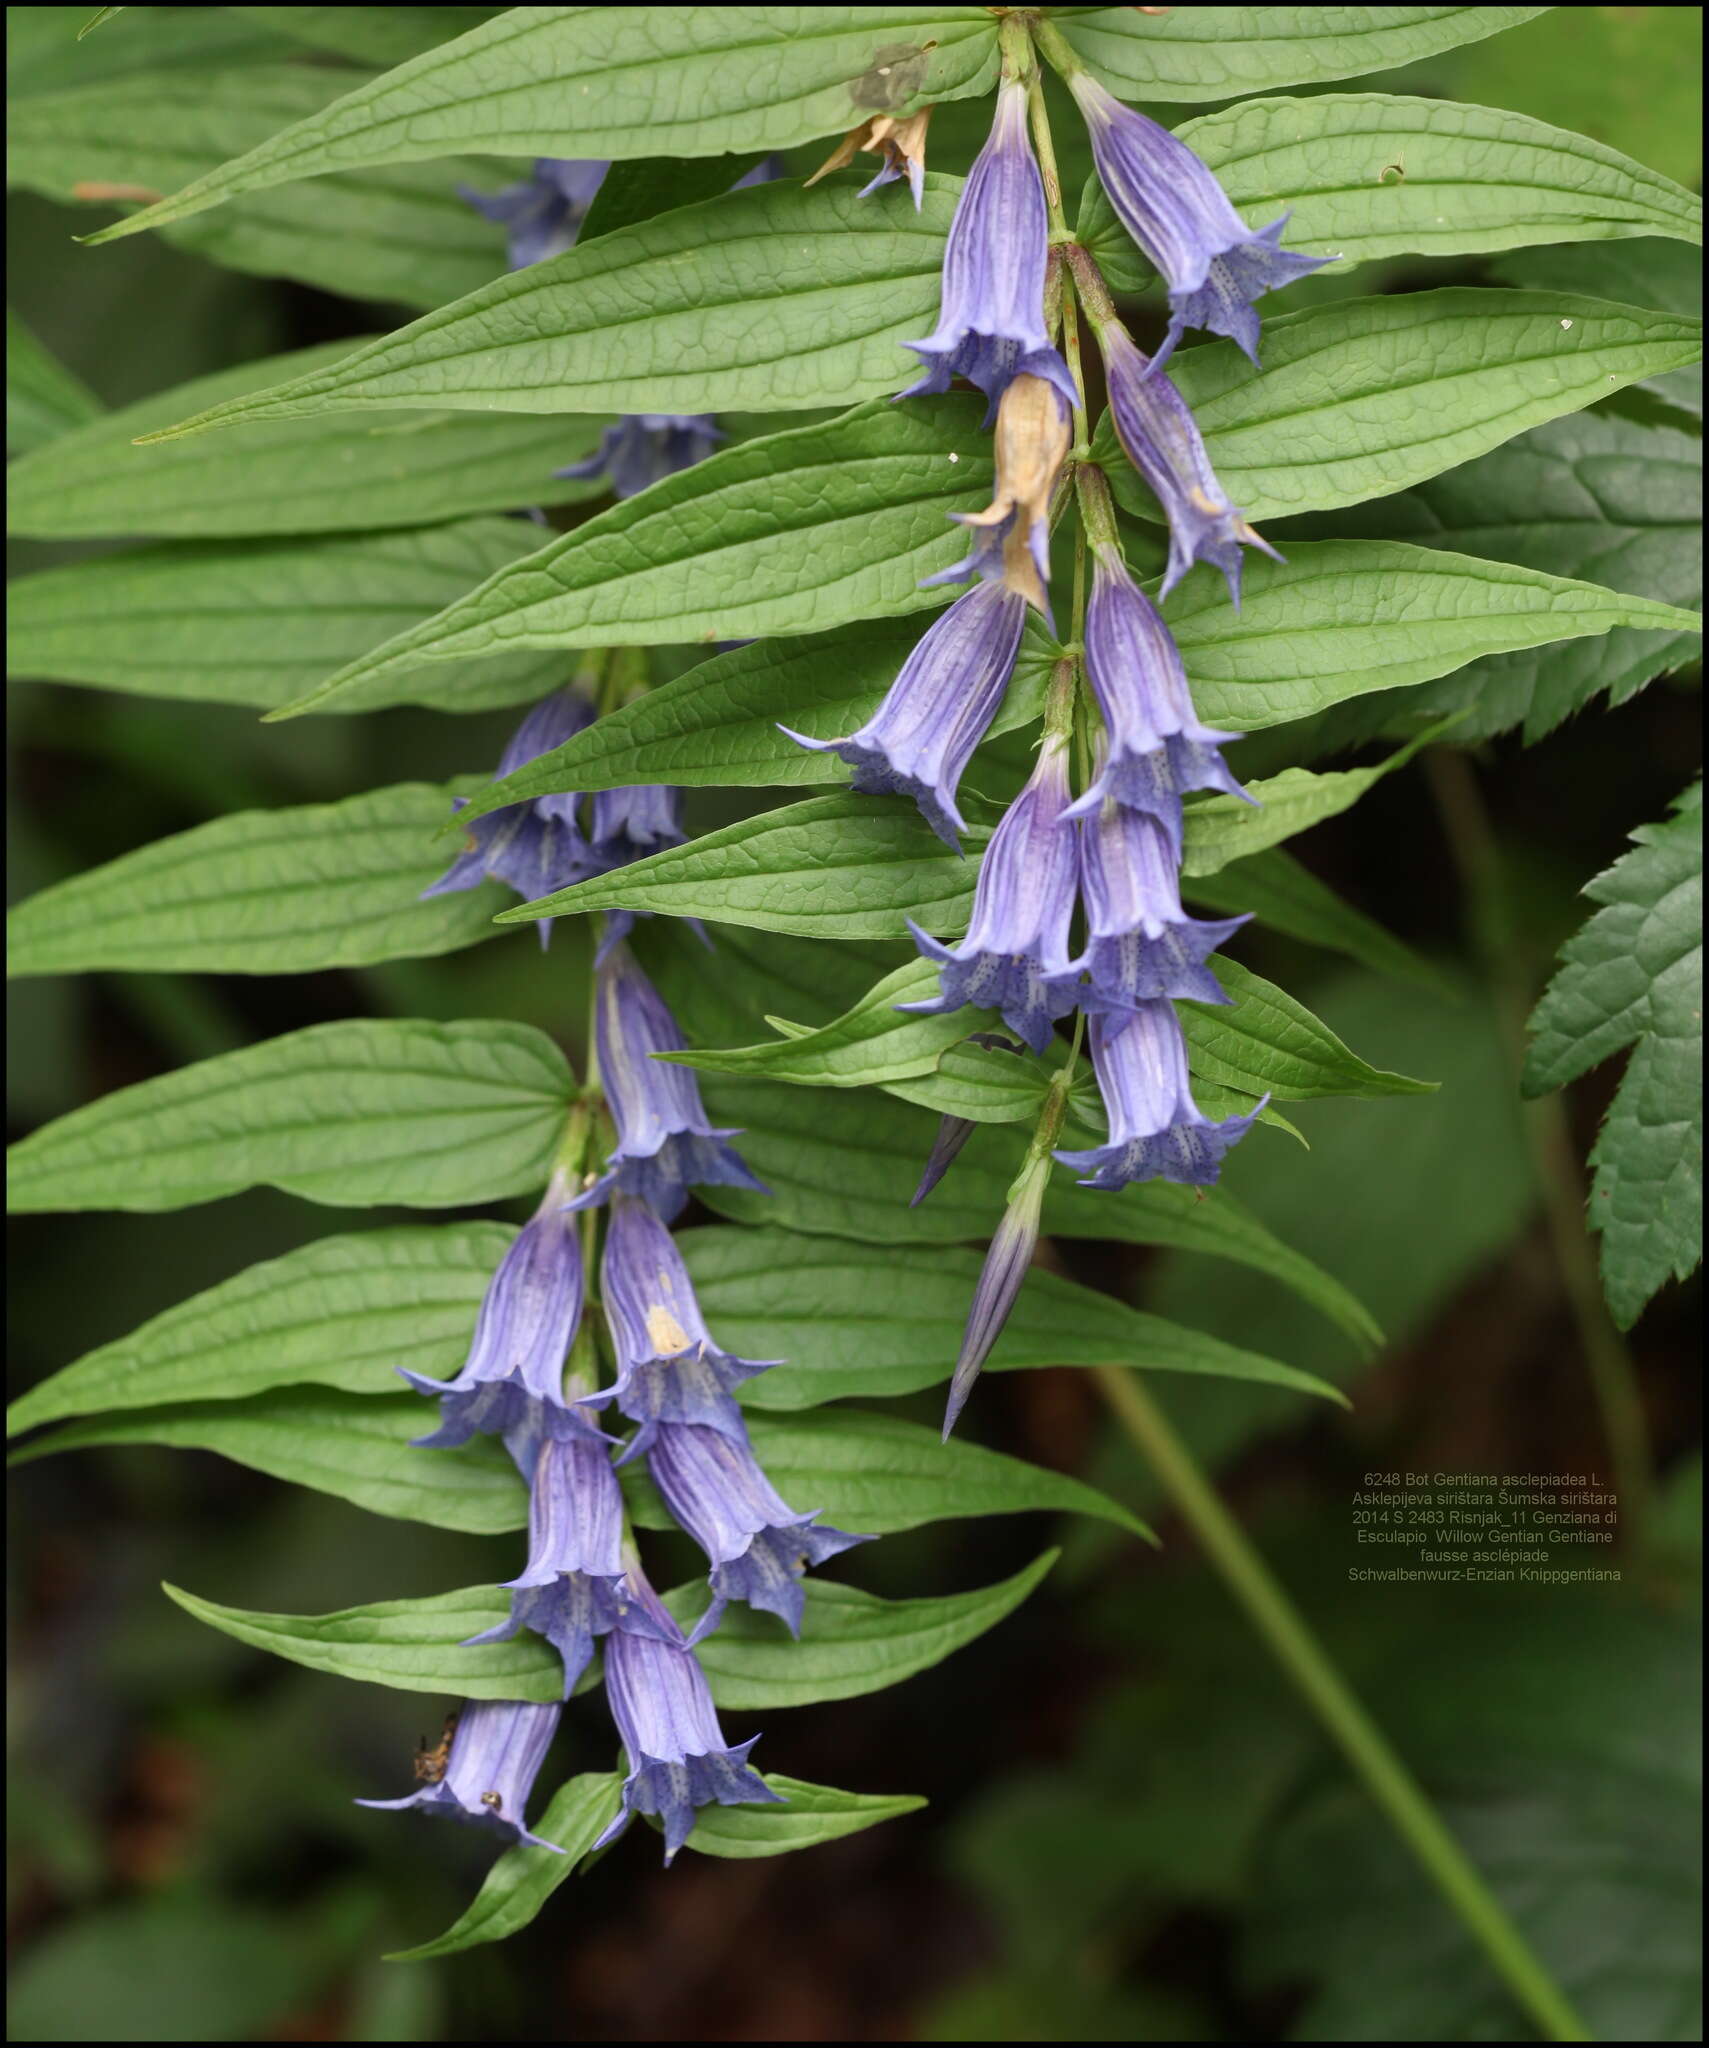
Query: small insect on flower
x=430, y=1763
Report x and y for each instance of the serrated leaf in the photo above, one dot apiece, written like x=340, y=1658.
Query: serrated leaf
x=263, y=892
x=847, y=867
x=773, y=299
x=767, y=79
x=350, y=1114
x=1377, y=174
x=792, y=533
x=851, y=1642
x=718, y=725
x=1634, y=976
x=813, y=1814
x=1273, y=887
x=1268, y=1043
x=842, y=1167
x=258, y=622
x=331, y=476
x=876, y=1474
x=44, y=401
x=1363, y=397
x=1220, y=53
x=1595, y=495
x=341, y=1312
x=399, y=234
x=523, y=1878
x=1341, y=619
x=356, y=1448
x=369, y=35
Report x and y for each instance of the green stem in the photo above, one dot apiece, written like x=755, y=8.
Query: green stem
x=1352, y=1730
x=1548, y=1137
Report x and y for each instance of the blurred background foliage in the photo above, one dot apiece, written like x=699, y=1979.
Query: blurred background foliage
x=1135, y=1830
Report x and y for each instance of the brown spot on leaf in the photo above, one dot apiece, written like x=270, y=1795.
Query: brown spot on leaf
x=898, y=73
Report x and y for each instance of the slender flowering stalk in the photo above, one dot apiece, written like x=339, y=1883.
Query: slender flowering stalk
x=1213, y=265
x=535, y=847
x=542, y=213
x=922, y=736
x=1032, y=444
x=1157, y=746
x=902, y=144
x=757, y=1545
x=1156, y=1129
x=991, y=320
x=1015, y=956
x=669, y=1369
x=1005, y=1267
x=1141, y=944
x=497, y=1748
x=512, y=1384
x=665, y=1145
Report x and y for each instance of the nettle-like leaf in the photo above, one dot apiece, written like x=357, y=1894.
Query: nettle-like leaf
x=263, y=892
x=1366, y=396
x=1373, y=174
x=772, y=298
x=352, y=1114
x=1220, y=53
x=626, y=84
x=334, y=476
x=398, y=234
x=1634, y=977
x=44, y=401
x=258, y=622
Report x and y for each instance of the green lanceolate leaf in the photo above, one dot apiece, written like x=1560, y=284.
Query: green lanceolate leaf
x=411, y=1645
x=793, y=533
x=718, y=726
x=844, y=1168
x=332, y=476
x=771, y=299
x=524, y=1878
x=263, y=892
x=1374, y=174
x=44, y=401
x=846, y=866
x=351, y=1114
x=399, y=234
x=1648, y=273
x=1224, y=829
x=875, y=1475
x=1266, y=1043
x=1342, y=619
x=765, y=79
x=812, y=1814
x=258, y=622
x=343, y=1312
x=1367, y=396
x=1220, y=53
x=851, y=1642
x=1634, y=976
x=984, y=1084
x=1273, y=887
x=358, y=1449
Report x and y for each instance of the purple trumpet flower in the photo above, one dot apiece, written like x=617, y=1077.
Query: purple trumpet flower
x=678, y=1758
x=1213, y=265
x=1006, y=1264
x=991, y=318
x=512, y=1384
x=1141, y=945
x=757, y=1545
x=544, y=212
x=668, y=1368
x=1015, y=956
x=1161, y=440
x=629, y=824
x=1012, y=534
x=573, y=1587
x=922, y=736
x=645, y=446
x=534, y=847
x=1157, y=748
x=1156, y=1130
x=665, y=1145
x=496, y=1750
